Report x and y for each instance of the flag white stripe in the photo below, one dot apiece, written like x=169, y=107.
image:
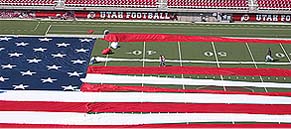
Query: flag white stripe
x=60, y=96
x=118, y=79
x=69, y=118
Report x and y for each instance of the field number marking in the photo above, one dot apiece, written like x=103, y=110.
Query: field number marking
x=220, y=53
x=139, y=52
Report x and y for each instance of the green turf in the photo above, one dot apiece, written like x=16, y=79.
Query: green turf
x=81, y=27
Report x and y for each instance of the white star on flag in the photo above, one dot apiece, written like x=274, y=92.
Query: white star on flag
x=8, y=66
x=75, y=73
x=22, y=44
x=20, y=86
x=54, y=67
x=39, y=49
x=58, y=55
x=2, y=79
x=85, y=40
x=63, y=44
x=2, y=48
x=50, y=80
x=34, y=60
x=5, y=39
x=70, y=87
x=78, y=61
x=81, y=50
x=15, y=54
x=27, y=73
x=44, y=39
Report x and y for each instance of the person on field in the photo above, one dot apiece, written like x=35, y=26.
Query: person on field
x=269, y=57
x=162, y=60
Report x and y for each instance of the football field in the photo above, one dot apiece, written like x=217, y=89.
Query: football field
x=211, y=54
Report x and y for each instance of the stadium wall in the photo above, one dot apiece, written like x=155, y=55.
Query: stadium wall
x=146, y=15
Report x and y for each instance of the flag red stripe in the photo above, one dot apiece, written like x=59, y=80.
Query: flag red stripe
x=87, y=87
x=143, y=107
x=144, y=37
x=190, y=70
x=270, y=125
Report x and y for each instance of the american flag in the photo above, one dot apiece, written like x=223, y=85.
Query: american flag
x=42, y=63
x=40, y=75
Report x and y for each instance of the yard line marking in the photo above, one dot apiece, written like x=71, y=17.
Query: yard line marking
x=217, y=61
x=215, y=54
x=143, y=58
x=251, y=54
x=105, y=64
x=249, y=50
x=48, y=29
x=285, y=52
x=102, y=59
x=143, y=54
x=36, y=27
x=180, y=53
x=180, y=56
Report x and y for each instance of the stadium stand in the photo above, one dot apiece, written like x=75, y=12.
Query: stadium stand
x=227, y=4
x=113, y=3
x=235, y=5
x=274, y=4
x=27, y=2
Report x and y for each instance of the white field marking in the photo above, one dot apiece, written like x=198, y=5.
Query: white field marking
x=105, y=64
x=48, y=29
x=74, y=118
x=143, y=57
x=215, y=55
x=143, y=54
x=180, y=54
x=249, y=50
x=73, y=35
x=254, y=62
x=285, y=52
x=217, y=61
x=192, y=61
x=36, y=27
x=181, y=27
x=181, y=64
x=68, y=31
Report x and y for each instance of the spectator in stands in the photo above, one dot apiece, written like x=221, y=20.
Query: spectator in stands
x=162, y=60
x=269, y=57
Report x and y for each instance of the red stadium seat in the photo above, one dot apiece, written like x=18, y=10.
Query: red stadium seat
x=274, y=4
x=27, y=2
x=113, y=3
x=209, y=4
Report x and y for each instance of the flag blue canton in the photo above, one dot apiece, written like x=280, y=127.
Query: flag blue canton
x=39, y=63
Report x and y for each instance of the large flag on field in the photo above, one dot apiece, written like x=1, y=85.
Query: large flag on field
x=39, y=77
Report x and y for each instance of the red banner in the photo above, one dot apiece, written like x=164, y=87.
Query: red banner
x=107, y=15
x=131, y=15
x=262, y=17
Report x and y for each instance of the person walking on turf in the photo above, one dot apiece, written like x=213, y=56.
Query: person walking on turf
x=162, y=60
x=269, y=57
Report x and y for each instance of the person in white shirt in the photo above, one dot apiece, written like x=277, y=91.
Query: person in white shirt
x=162, y=60
x=269, y=57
